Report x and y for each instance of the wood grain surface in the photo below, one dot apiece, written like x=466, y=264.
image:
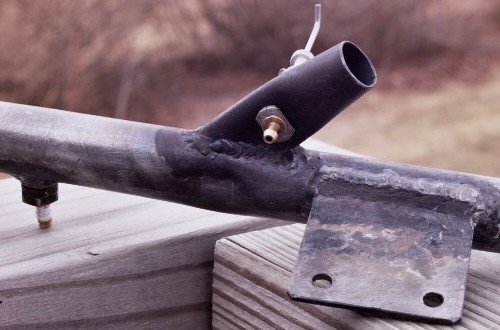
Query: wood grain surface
x=252, y=271
x=110, y=261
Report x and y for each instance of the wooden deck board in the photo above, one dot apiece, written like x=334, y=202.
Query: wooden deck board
x=252, y=271
x=111, y=261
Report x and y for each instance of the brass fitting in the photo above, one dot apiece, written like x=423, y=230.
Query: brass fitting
x=275, y=127
x=272, y=127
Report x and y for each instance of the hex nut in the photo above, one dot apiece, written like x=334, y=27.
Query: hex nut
x=40, y=197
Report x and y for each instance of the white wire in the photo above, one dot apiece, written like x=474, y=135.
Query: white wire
x=317, y=23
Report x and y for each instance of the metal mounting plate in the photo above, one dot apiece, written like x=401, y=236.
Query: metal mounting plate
x=384, y=256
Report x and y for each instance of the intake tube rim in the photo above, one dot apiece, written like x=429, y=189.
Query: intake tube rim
x=357, y=64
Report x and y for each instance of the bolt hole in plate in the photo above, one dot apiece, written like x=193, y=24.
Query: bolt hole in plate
x=433, y=299
x=385, y=256
x=323, y=281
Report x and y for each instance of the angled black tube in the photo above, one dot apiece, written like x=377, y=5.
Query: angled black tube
x=309, y=96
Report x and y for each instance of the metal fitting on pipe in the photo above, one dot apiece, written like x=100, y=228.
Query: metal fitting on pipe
x=44, y=216
x=41, y=196
x=273, y=126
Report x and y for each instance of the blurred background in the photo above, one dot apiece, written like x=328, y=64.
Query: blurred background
x=180, y=63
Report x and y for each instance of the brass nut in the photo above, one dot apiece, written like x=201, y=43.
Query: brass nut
x=272, y=127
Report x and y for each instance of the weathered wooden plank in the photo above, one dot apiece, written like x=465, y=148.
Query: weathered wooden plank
x=252, y=271
x=111, y=261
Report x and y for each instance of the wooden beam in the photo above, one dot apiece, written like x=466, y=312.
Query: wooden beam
x=110, y=261
x=252, y=271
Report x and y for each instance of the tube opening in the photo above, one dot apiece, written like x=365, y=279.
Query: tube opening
x=359, y=64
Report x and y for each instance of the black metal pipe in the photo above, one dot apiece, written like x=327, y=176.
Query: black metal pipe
x=309, y=96
x=225, y=165
x=41, y=146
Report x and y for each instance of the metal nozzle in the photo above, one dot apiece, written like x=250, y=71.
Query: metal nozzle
x=272, y=126
x=44, y=216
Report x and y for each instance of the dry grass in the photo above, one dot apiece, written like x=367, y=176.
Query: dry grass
x=456, y=126
x=181, y=63
x=137, y=59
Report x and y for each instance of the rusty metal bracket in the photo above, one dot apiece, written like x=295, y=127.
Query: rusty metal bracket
x=395, y=257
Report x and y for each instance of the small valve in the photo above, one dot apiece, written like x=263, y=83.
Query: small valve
x=41, y=197
x=303, y=55
x=275, y=127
